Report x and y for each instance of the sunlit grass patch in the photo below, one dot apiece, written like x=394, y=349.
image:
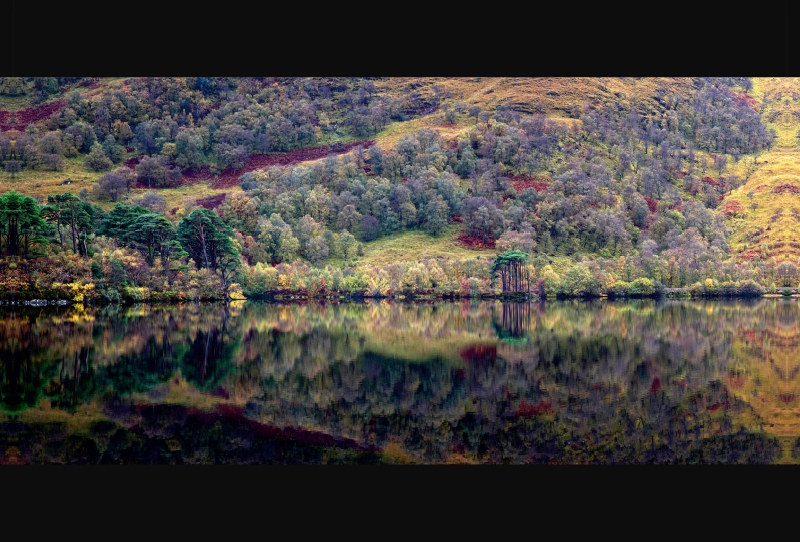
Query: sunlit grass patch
x=414, y=245
x=44, y=183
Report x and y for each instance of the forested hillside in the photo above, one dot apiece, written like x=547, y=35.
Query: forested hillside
x=192, y=188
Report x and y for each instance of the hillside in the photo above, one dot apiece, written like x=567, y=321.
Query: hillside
x=766, y=223
x=384, y=185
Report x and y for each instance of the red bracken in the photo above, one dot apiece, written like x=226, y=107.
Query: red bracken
x=475, y=243
x=780, y=189
x=228, y=178
x=28, y=116
x=526, y=410
x=521, y=182
x=212, y=202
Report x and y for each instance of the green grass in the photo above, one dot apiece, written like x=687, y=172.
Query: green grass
x=44, y=183
x=414, y=245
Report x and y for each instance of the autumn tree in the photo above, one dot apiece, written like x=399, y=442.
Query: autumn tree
x=110, y=186
x=153, y=202
x=240, y=211
x=97, y=160
x=349, y=218
x=317, y=250
x=437, y=214
x=347, y=245
x=155, y=171
x=278, y=238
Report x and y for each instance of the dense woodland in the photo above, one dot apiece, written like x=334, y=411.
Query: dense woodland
x=613, y=201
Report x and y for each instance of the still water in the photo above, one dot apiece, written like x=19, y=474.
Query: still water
x=385, y=382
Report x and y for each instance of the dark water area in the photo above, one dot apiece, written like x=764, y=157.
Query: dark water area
x=641, y=381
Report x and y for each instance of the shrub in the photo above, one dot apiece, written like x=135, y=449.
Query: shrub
x=749, y=288
x=642, y=287
x=97, y=160
x=619, y=289
x=728, y=289
x=53, y=162
x=551, y=280
x=578, y=281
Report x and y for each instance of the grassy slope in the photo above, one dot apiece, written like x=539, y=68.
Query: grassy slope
x=779, y=167
x=43, y=183
x=415, y=245
x=551, y=96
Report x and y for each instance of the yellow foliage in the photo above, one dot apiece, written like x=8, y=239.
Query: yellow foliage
x=235, y=291
x=77, y=291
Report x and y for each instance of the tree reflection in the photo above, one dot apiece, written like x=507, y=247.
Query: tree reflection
x=576, y=382
x=514, y=320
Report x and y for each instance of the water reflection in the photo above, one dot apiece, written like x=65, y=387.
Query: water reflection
x=567, y=382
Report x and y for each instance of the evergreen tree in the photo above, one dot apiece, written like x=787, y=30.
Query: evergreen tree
x=72, y=215
x=21, y=224
x=207, y=240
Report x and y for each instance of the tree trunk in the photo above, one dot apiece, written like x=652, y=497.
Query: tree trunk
x=74, y=235
x=202, y=236
x=12, y=245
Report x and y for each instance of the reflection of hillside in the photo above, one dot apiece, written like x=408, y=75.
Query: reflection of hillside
x=638, y=381
x=765, y=370
x=588, y=362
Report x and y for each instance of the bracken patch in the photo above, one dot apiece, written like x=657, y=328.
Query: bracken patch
x=732, y=207
x=24, y=117
x=229, y=178
x=475, y=243
x=783, y=188
x=712, y=182
x=521, y=182
x=212, y=202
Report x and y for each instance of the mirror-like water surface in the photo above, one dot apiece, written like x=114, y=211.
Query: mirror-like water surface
x=482, y=382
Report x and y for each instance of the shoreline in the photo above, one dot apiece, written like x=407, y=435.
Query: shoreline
x=671, y=293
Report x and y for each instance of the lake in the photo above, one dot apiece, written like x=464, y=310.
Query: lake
x=639, y=381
